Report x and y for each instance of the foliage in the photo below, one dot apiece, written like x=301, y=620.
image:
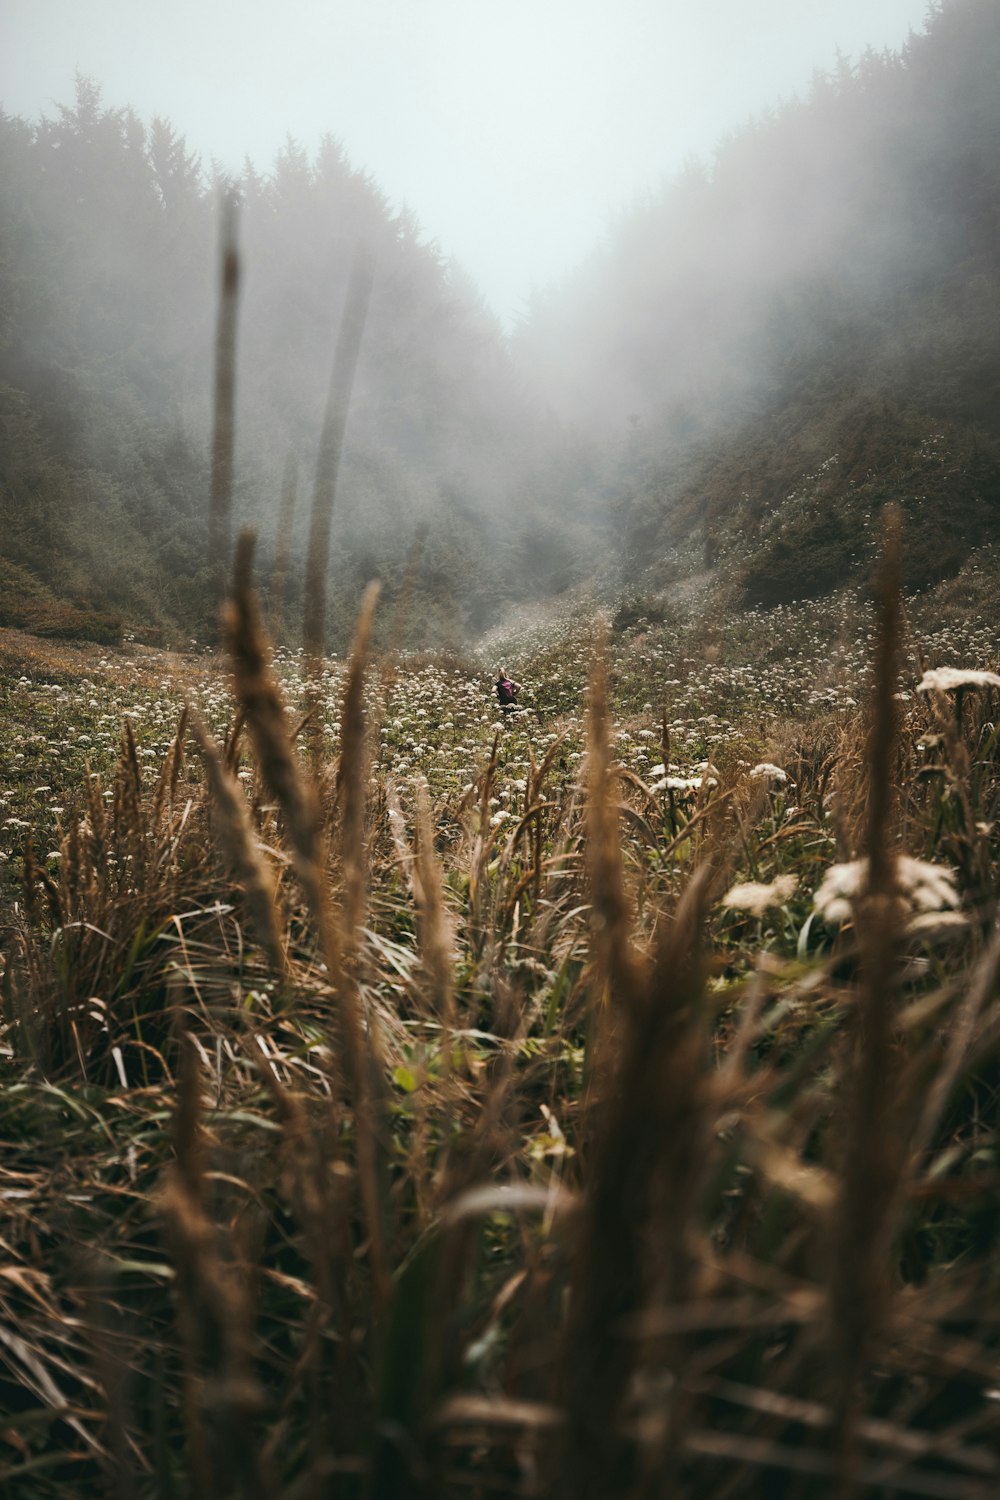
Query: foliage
x=607, y=1173
x=597, y=1100
x=106, y=259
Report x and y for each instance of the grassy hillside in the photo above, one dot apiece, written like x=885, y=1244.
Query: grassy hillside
x=805, y=328
x=792, y=510
x=528, y=1107
x=598, y=1101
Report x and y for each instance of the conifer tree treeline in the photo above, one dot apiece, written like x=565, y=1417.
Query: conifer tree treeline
x=756, y=360
x=107, y=280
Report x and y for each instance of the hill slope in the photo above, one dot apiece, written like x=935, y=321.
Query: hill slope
x=107, y=269
x=780, y=344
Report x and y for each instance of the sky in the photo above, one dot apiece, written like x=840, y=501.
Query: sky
x=515, y=130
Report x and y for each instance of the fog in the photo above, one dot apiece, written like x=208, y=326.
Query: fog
x=738, y=318
x=512, y=132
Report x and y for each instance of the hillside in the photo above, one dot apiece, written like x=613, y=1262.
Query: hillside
x=756, y=361
x=806, y=328
x=538, y=1106
x=108, y=255
x=401, y=1096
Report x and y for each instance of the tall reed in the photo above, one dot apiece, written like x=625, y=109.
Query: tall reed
x=283, y=539
x=345, y=360
x=224, y=404
x=870, y=1124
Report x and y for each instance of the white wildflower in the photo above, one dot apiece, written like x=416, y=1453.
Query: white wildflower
x=928, y=887
x=937, y=926
x=771, y=772
x=754, y=897
x=948, y=679
x=678, y=784
x=923, y=886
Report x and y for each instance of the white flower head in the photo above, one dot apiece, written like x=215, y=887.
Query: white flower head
x=927, y=887
x=938, y=926
x=922, y=886
x=754, y=897
x=771, y=772
x=949, y=679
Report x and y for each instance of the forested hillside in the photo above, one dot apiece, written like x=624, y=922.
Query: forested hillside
x=754, y=362
x=107, y=283
x=805, y=328
x=590, y=1097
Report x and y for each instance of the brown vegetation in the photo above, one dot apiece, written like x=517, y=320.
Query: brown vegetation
x=499, y=1163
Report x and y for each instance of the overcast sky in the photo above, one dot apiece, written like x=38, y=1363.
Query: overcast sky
x=514, y=129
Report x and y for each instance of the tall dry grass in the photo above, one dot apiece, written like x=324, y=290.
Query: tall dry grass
x=533, y=1200
x=345, y=360
x=357, y=1151
x=224, y=405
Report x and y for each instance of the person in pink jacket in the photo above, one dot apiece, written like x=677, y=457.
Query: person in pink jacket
x=507, y=691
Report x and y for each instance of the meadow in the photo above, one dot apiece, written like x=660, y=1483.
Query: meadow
x=602, y=1100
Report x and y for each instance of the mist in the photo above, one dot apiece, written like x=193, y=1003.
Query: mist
x=780, y=282
x=829, y=273
x=512, y=135
x=542, y=1042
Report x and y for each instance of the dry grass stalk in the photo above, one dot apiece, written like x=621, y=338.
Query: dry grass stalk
x=181, y=1203
x=614, y=958
x=535, y=818
x=223, y=1401
x=235, y=834
x=480, y=929
x=965, y=845
x=166, y=791
x=286, y=519
x=352, y=327
x=112, y=1375
x=357, y=1040
x=127, y=807
x=647, y=1142
x=435, y=934
x=260, y=698
x=231, y=750
x=224, y=405
x=321, y=1190
x=352, y=775
x=871, y=1142
x=636, y=1240
x=397, y=832
x=97, y=825
x=967, y=1038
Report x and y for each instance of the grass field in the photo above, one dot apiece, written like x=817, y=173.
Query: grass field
x=602, y=1101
